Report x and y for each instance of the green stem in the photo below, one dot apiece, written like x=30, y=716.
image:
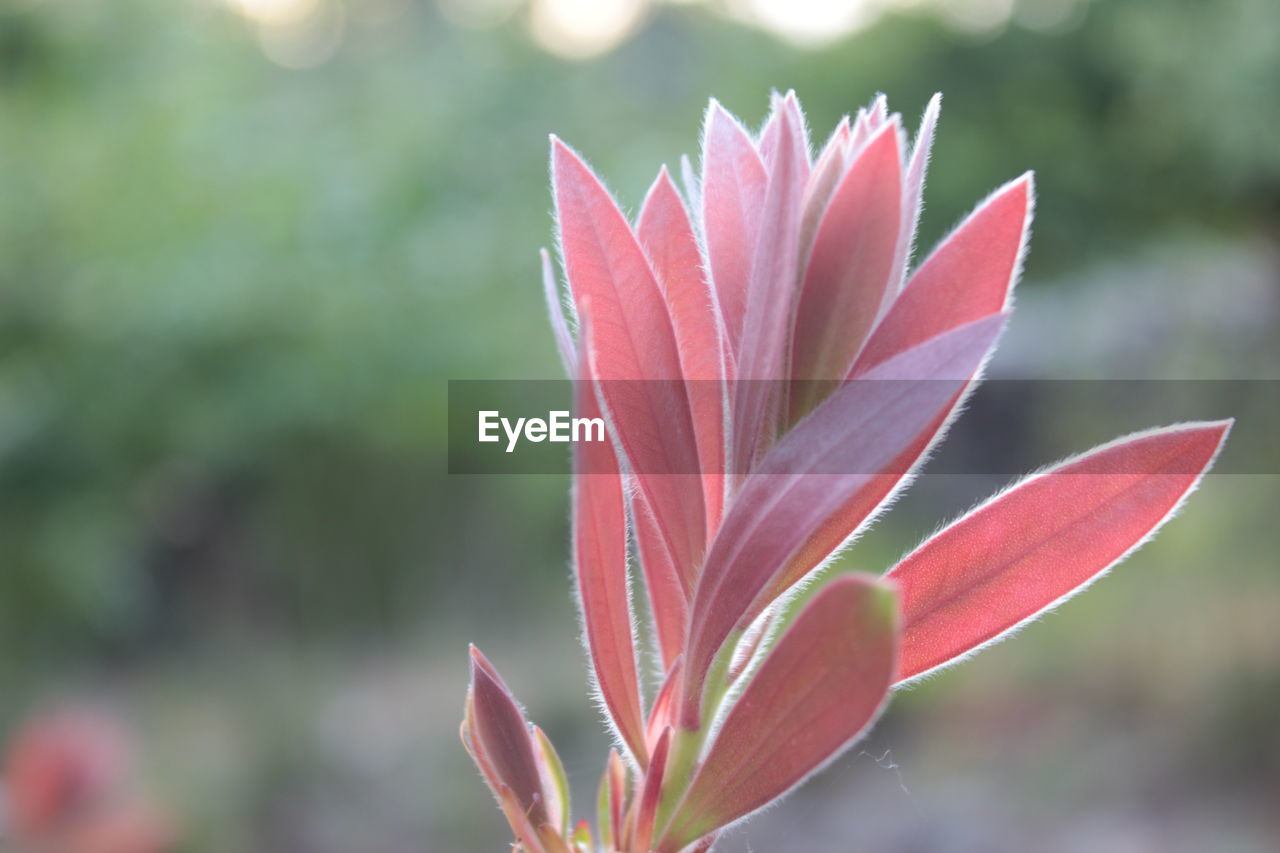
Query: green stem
x=687, y=744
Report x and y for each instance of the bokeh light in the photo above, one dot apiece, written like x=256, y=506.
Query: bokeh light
x=305, y=43
x=977, y=16
x=281, y=13
x=304, y=33
x=1048, y=15
x=580, y=29
x=808, y=22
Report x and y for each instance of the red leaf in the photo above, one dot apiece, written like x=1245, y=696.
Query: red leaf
x=868, y=121
x=733, y=190
x=559, y=326
x=913, y=192
x=692, y=189
x=1045, y=539
x=878, y=111
x=652, y=791
x=667, y=591
x=501, y=741
x=770, y=301
x=612, y=802
x=813, y=470
x=555, y=783
x=524, y=825
x=819, y=689
x=797, y=135
x=662, y=715
x=600, y=560
x=630, y=338
x=969, y=275
x=847, y=277
x=667, y=235
x=826, y=174
x=755, y=639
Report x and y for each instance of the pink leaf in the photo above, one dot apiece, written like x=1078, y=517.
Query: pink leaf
x=733, y=190
x=692, y=189
x=770, y=301
x=634, y=354
x=662, y=714
x=554, y=780
x=500, y=740
x=970, y=275
x=756, y=638
x=668, y=592
x=1043, y=540
x=527, y=833
x=772, y=140
x=847, y=277
x=612, y=802
x=828, y=456
x=652, y=792
x=958, y=284
x=861, y=130
x=819, y=689
x=913, y=192
x=878, y=112
x=600, y=560
x=555, y=309
x=826, y=174
x=667, y=235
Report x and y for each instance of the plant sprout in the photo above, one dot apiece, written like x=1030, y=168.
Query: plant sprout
x=772, y=375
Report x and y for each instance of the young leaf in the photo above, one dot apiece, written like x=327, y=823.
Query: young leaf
x=878, y=113
x=848, y=273
x=861, y=130
x=792, y=133
x=632, y=345
x=1042, y=541
x=827, y=457
x=913, y=192
x=500, y=739
x=555, y=309
x=554, y=781
x=667, y=235
x=826, y=174
x=604, y=808
x=600, y=561
x=668, y=592
x=820, y=688
x=970, y=275
x=692, y=189
x=652, y=791
x=661, y=716
x=770, y=297
x=733, y=189
x=523, y=825
x=611, y=802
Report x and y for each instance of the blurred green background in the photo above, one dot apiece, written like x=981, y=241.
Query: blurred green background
x=245, y=243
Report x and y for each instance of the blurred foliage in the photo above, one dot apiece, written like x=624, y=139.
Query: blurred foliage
x=230, y=292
